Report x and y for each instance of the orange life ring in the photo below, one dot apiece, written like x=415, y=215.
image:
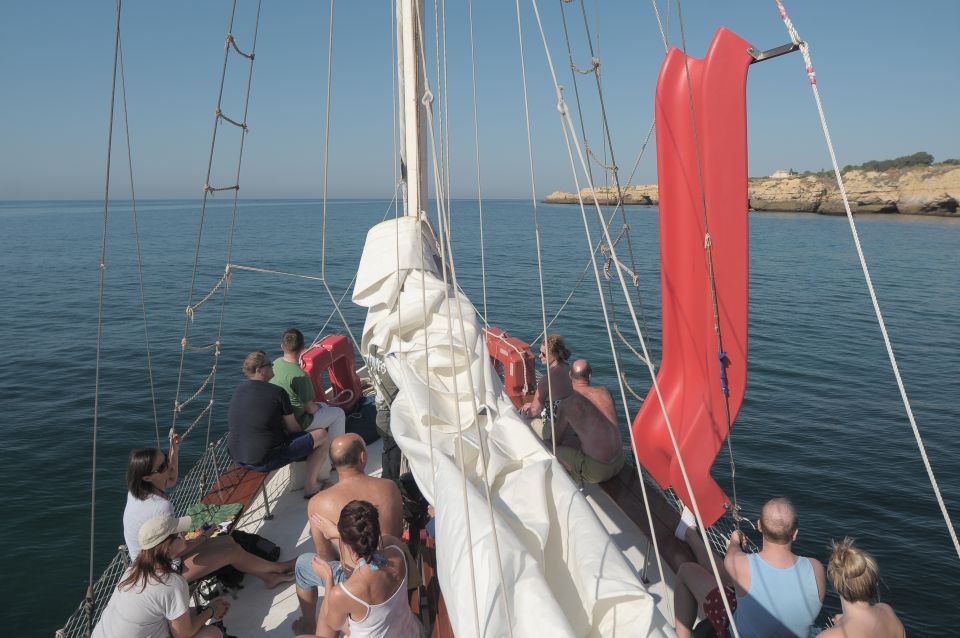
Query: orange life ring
x=334, y=356
x=513, y=360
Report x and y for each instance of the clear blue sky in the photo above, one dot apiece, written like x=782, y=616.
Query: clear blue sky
x=888, y=71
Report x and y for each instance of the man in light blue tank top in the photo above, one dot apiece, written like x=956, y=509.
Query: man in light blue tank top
x=778, y=594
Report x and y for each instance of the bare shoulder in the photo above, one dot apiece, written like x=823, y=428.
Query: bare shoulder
x=817, y=566
x=832, y=632
x=889, y=617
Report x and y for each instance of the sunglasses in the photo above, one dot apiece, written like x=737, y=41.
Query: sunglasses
x=163, y=466
x=268, y=364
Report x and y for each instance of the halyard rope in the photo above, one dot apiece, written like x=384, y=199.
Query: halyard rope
x=476, y=143
x=811, y=74
x=536, y=228
x=438, y=185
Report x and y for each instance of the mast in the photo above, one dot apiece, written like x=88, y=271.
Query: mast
x=412, y=133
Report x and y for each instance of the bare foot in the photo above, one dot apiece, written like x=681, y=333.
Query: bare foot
x=310, y=493
x=301, y=626
x=273, y=580
x=287, y=566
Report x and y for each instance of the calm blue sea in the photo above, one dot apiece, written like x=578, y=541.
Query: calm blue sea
x=822, y=422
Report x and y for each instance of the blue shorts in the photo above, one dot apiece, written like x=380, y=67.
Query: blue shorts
x=297, y=448
x=307, y=578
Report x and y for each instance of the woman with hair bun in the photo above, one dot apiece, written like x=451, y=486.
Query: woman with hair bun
x=372, y=602
x=856, y=577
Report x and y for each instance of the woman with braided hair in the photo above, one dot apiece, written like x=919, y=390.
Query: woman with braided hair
x=372, y=603
x=856, y=577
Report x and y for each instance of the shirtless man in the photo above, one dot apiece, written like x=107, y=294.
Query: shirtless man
x=589, y=412
x=556, y=384
x=349, y=456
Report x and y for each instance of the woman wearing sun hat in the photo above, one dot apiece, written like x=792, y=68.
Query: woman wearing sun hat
x=153, y=600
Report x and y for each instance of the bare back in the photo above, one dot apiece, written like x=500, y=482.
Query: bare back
x=876, y=621
x=592, y=415
x=382, y=493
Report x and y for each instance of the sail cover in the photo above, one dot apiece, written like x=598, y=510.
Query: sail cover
x=562, y=575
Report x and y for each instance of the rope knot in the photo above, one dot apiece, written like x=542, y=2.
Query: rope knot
x=427, y=98
x=189, y=312
x=707, y=242
x=103, y=267
x=184, y=344
x=596, y=63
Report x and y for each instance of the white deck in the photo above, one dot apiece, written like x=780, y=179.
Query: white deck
x=260, y=612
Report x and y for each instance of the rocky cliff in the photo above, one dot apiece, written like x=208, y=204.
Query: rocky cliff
x=933, y=190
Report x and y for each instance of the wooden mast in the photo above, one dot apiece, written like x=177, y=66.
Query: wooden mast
x=411, y=109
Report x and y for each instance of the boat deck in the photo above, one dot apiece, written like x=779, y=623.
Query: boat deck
x=257, y=611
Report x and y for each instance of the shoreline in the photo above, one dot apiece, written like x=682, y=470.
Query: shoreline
x=930, y=191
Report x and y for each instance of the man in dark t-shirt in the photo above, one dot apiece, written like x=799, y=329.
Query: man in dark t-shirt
x=264, y=434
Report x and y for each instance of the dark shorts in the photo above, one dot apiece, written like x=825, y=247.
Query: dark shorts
x=714, y=611
x=297, y=448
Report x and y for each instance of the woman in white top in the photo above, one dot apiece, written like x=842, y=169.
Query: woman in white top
x=150, y=473
x=856, y=577
x=153, y=601
x=372, y=603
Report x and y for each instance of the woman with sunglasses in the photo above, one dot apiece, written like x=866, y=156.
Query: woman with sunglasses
x=553, y=354
x=372, y=602
x=153, y=600
x=150, y=473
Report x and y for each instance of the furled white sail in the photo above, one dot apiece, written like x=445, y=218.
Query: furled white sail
x=562, y=574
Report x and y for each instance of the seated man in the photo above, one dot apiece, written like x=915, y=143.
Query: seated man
x=590, y=413
x=264, y=435
x=308, y=412
x=349, y=455
x=773, y=594
x=556, y=384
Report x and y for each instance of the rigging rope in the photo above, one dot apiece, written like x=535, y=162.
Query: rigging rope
x=103, y=270
x=476, y=143
x=568, y=132
x=708, y=247
x=447, y=252
x=136, y=236
x=233, y=222
x=811, y=74
x=224, y=281
x=536, y=228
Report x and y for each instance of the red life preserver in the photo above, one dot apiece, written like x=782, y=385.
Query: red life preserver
x=334, y=355
x=513, y=361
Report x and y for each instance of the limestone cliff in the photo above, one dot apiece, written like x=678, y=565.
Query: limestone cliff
x=933, y=190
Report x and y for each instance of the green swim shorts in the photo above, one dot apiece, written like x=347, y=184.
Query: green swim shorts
x=584, y=469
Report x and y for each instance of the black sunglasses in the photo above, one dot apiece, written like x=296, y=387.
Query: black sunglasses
x=163, y=466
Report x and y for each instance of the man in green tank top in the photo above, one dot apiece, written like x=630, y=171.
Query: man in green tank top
x=309, y=413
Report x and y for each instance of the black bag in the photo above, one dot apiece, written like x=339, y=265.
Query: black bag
x=229, y=577
x=257, y=545
x=414, y=504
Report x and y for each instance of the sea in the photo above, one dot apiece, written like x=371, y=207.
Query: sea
x=93, y=372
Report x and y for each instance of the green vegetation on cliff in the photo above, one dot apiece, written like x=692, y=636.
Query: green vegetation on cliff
x=920, y=158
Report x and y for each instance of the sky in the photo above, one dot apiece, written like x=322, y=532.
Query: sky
x=887, y=71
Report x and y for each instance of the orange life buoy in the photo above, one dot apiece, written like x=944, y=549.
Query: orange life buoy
x=513, y=359
x=334, y=355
